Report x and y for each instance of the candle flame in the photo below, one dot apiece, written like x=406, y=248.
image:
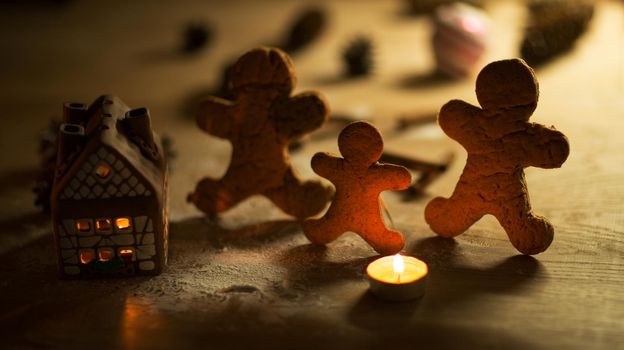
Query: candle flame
x=398, y=264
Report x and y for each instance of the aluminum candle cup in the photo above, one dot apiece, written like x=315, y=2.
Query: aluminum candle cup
x=397, y=278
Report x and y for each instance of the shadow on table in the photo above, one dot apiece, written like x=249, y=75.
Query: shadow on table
x=372, y=313
x=202, y=229
x=40, y=309
x=308, y=267
x=452, y=280
x=430, y=335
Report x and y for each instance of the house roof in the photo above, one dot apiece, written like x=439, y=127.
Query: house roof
x=137, y=165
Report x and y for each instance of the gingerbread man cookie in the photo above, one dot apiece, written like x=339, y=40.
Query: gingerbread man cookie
x=500, y=143
x=359, y=180
x=260, y=123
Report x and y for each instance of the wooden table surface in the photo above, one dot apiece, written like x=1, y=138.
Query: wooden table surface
x=253, y=280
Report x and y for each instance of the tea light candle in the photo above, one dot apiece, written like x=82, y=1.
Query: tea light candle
x=397, y=278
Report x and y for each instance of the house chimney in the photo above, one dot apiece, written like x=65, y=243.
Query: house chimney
x=138, y=128
x=70, y=136
x=74, y=112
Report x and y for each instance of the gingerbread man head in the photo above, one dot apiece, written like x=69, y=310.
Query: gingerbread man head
x=521, y=89
x=360, y=144
x=261, y=68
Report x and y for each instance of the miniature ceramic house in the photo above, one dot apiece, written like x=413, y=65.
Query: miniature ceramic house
x=109, y=197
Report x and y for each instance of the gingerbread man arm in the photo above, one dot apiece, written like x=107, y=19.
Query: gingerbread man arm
x=455, y=118
x=394, y=177
x=547, y=148
x=325, y=165
x=215, y=117
x=298, y=115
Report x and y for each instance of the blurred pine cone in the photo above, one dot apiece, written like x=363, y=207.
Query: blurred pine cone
x=358, y=57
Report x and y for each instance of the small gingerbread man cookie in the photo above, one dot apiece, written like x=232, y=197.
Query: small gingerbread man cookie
x=260, y=123
x=500, y=143
x=359, y=180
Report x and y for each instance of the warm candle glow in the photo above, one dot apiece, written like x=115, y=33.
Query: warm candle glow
x=388, y=268
x=106, y=254
x=398, y=264
x=126, y=254
x=87, y=256
x=102, y=171
x=398, y=277
x=122, y=223
x=83, y=225
x=103, y=225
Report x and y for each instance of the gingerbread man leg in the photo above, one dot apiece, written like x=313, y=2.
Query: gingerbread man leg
x=300, y=199
x=530, y=234
x=383, y=240
x=450, y=217
x=215, y=196
x=324, y=230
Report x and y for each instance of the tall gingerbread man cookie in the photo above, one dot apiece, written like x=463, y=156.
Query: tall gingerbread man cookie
x=500, y=143
x=359, y=180
x=260, y=123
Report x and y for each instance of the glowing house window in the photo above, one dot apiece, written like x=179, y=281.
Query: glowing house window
x=106, y=254
x=123, y=224
x=102, y=171
x=87, y=256
x=126, y=253
x=83, y=225
x=103, y=225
